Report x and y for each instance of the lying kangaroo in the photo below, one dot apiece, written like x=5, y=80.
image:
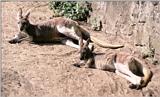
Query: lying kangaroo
x=58, y=29
x=123, y=64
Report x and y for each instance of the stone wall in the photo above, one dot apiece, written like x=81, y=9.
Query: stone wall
x=138, y=20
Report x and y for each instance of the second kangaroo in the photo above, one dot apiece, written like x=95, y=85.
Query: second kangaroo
x=123, y=64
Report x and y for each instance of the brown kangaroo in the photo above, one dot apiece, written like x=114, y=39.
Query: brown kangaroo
x=123, y=64
x=57, y=29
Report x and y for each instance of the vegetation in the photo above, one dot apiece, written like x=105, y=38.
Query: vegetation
x=71, y=9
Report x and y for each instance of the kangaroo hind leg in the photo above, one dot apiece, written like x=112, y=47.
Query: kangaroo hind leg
x=133, y=84
x=71, y=33
x=70, y=43
x=124, y=72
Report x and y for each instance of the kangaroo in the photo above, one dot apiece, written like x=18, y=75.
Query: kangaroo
x=57, y=29
x=123, y=64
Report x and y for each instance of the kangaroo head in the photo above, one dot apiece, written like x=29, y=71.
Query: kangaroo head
x=23, y=24
x=23, y=21
x=86, y=52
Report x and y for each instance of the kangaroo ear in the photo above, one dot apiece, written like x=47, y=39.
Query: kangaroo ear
x=19, y=15
x=92, y=48
x=87, y=42
x=27, y=13
x=81, y=44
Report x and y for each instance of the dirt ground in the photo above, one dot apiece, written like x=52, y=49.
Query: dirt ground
x=46, y=69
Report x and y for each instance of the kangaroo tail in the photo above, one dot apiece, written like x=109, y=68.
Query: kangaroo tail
x=103, y=44
x=86, y=35
x=147, y=76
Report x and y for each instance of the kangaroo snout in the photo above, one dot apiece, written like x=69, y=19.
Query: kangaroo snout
x=76, y=65
x=81, y=57
x=21, y=29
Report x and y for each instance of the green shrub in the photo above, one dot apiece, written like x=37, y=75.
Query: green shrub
x=71, y=9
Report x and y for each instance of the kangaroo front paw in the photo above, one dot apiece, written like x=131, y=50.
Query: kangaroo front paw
x=132, y=86
x=13, y=41
x=76, y=65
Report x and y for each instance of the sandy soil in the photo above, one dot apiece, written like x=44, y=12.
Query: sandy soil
x=46, y=70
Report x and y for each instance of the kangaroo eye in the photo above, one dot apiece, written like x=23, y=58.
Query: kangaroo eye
x=18, y=22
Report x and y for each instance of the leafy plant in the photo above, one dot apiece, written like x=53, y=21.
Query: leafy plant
x=71, y=9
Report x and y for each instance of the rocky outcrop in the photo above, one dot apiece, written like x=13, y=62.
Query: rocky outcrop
x=137, y=21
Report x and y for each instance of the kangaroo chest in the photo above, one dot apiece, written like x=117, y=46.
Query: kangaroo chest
x=105, y=61
x=48, y=30
x=46, y=33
